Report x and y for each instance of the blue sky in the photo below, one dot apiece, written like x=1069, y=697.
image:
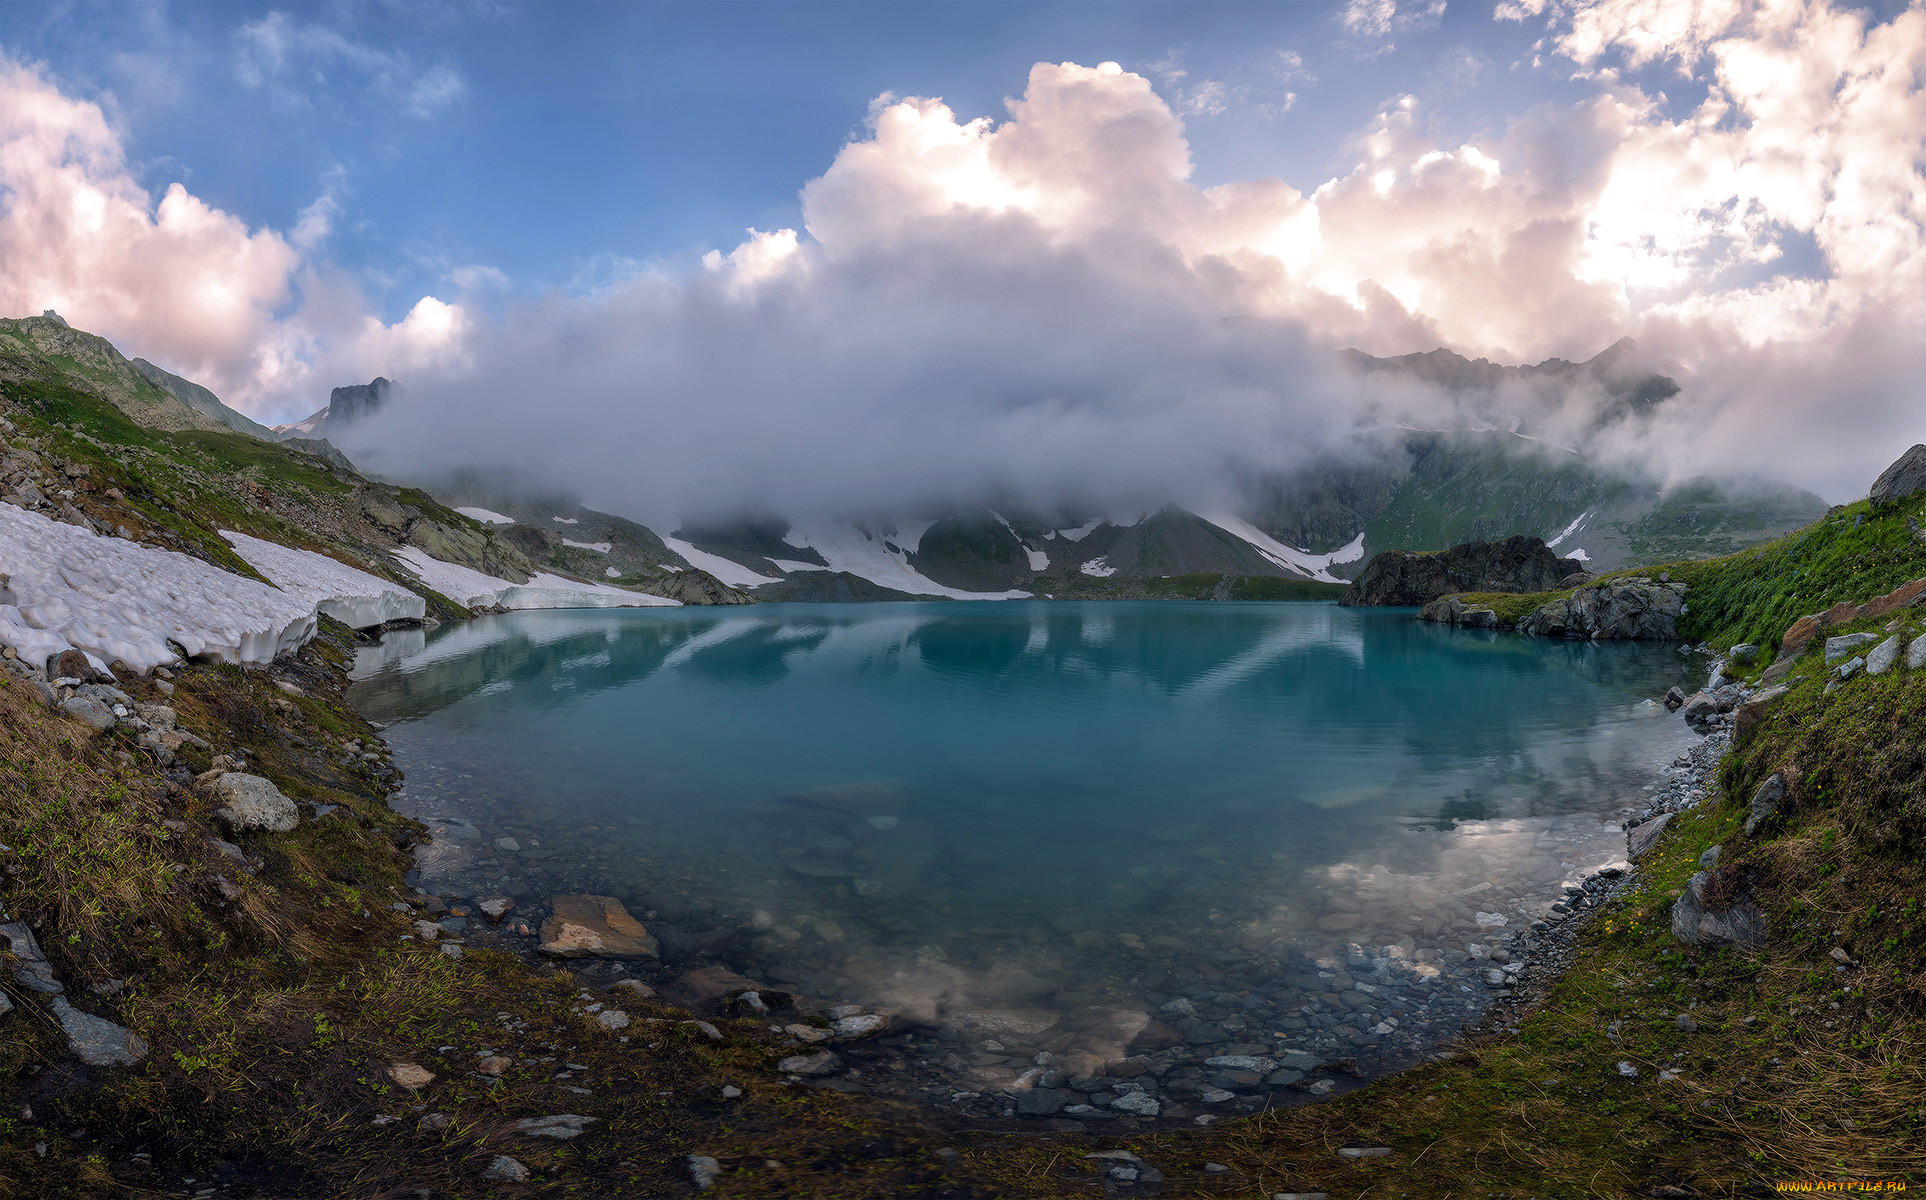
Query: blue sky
x=574, y=134
x=1141, y=269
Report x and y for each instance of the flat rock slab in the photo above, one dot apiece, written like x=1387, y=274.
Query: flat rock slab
x=595, y=927
x=562, y=1126
x=97, y=1041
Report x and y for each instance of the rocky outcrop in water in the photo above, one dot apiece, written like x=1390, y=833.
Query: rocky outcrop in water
x=1517, y=564
x=1631, y=609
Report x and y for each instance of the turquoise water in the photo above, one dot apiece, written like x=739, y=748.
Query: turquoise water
x=1051, y=809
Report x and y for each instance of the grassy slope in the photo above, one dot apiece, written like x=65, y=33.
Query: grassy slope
x=1853, y=553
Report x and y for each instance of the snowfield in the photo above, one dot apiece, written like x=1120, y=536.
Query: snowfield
x=732, y=573
x=64, y=587
x=881, y=559
x=472, y=589
x=485, y=516
x=354, y=598
x=1316, y=566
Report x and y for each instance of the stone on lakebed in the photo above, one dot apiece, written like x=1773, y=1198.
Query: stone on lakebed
x=594, y=927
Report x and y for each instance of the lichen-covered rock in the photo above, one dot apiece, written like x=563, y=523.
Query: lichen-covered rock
x=1631, y=609
x=1517, y=564
x=594, y=927
x=249, y=802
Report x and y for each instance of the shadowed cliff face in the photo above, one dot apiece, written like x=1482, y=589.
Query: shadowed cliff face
x=1517, y=564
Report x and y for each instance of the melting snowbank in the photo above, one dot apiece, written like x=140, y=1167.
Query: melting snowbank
x=354, y=598
x=472, y=589
x=62, y=586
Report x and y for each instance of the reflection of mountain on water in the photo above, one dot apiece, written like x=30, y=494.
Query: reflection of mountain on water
x=1426, y=694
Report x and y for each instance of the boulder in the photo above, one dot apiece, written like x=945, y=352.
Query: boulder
x=89, y=712
x=1697, y=923
x=1641, y=837
x=1452, y=610
x=71, y=664
x=1635, y=608
x=1841, y=647
x=1404, y=577
x=594, y=927
x=1674, y=698
x=247, y=802
x=1880, y=658
x=1749, y=714
x=1766, y=803
x=1904, y=478
x=1700, y=706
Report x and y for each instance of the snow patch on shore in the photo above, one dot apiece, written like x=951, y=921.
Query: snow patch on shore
x=353, y=597
x=472, y=589
x=65, y=587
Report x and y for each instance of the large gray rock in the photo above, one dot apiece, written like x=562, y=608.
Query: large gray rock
x=1766, y=803
x=1902, y=479
x=97, y=1041
x=1630, y=609
x=248, y=802
x=92, y=713
x=1880, y=658
x=1641, y=838
x=1839, y=647
x=1696, y=923
x=1517, y=564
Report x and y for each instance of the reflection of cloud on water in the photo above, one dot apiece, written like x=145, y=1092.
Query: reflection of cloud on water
x=1286, y=639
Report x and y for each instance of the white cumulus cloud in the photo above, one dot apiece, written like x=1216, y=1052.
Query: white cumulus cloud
x=247, y=311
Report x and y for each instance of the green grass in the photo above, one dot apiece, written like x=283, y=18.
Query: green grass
x=1852, y=554
x=268, y=462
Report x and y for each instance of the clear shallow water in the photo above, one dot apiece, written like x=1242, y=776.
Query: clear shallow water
x=1040, y=825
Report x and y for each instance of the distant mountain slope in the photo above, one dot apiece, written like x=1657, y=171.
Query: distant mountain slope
x=88, y=443
x=33, y=345
x=346, y=406
x=200, y=400
x=1494, y=474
